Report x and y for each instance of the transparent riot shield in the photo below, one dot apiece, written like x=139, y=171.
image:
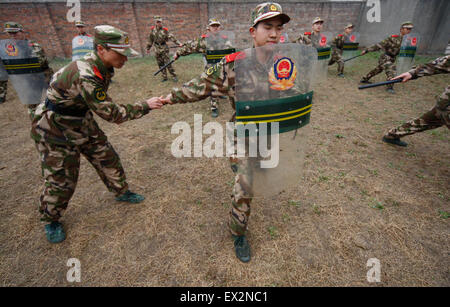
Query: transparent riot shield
x=322, y=44
x=351, y=44
x=24, y=70
x=405, y=59
x=218, y=45
x=3, y=73
x=273, y=107
x=81, y=45
x=284, y=38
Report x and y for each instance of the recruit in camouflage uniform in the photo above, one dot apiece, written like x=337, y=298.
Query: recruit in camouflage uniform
x=15, y=31
x=438, y=116
x=338, y=49
x=217, y=81
x=200, y=46
x=312, y=38
x=65, y=127
x=159, y=37
x=391, y=48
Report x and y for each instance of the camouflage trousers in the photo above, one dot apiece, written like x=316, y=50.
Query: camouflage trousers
x=438, y=116
x=336, y=57
x=241, y=197
x=60, y=168
x=3, y=90
x=162, y=59
x=386, y=63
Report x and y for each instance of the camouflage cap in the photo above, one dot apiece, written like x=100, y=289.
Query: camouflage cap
x=213, y=21
x=157, y=18
x=115, y=39
x=350, y=25
x=408, y=25
x=268, y=10
x=13, y=27
x=317, y=19
x=79, y=24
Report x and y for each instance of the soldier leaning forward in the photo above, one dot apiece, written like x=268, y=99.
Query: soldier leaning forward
x=201, y=45
x=15, y=31
x=391, y=48
x=267, y=19
x=64, y=127
x=438, y=116
x=159, y=37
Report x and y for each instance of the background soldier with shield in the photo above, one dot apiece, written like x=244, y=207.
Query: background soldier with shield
x=215, y=45
x=83, y=43
x=266, y=72
x=27, y=66
x=3, y=82
x=341, y=43
x=391, y=48
x=407, y=53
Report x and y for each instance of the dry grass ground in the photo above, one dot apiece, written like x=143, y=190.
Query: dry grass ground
x=359, y=198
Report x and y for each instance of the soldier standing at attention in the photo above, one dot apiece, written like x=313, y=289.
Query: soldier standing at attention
x=438, y=116
x=81, y=28
x=159, y=37
x=200, y=45
x=267, y=21
x=338, y=48
x=391, y=48
x=64, y=127
x=15, y=31
x=312, y=38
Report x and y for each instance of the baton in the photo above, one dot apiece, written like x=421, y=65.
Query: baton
x=361, y=87
x=354, y=57
x=164, y=67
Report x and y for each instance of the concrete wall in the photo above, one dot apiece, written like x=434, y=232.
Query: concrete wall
x=45, y=20
x=430, y=18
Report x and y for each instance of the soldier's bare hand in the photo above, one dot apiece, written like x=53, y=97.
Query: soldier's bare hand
x=406, y=76
x=175, y=56
x=363, y=52
x=180, y=45
x=167, y=99
x=155, y=103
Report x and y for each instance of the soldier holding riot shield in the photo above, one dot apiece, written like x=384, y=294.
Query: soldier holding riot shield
x=268, y=86
x=320, y=40
x=215, y=45
x=391, y=48
x=83, y=43
x=26, y=65
x=407, y=52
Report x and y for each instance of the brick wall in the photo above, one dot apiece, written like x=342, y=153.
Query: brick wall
x=45, y=21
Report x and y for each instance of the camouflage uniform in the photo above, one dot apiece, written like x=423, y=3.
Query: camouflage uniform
x=391, y=48
x=64, y=127
x=439, y=115
x=159, y=38
x=3, y=90
x=200, y=46
x=309, y=38
x=338, y=49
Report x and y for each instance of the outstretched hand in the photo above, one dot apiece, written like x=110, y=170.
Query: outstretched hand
x=167, y=99
x=406, y=76
x=155, y=102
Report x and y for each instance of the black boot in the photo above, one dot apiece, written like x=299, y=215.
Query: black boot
x=242, y=248
x=395, y=141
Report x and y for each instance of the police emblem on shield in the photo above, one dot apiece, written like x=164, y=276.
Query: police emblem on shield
x=80, y=41
x=11, y=50
x=283, y=74
x=323, y=40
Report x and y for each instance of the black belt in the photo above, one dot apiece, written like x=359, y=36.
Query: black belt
x=65, y=111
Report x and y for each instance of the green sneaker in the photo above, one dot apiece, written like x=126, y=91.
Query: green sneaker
x=394, y=141
x=130, y=197
x=242, y=248
x=365, y=81
x=215, y=113
x=55, y=232
x=341, y=75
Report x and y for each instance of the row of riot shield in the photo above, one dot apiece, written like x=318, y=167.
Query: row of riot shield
x=273, y=109
x=218, y=45
x=23, y=70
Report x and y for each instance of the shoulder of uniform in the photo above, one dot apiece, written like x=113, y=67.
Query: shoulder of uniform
x=152, y=27
x=307, y=33
x=340, y=35
x=97, y=72
x=234, y=57
x=395, y=35
x=88, y=35
x=204, y=36
x=166, y=29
